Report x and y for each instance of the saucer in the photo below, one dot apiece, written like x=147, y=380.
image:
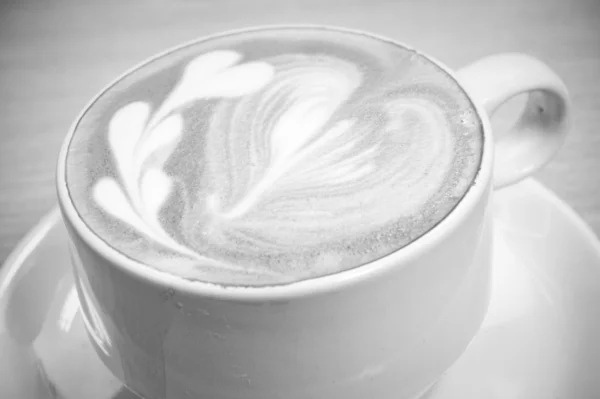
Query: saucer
x=540, y=338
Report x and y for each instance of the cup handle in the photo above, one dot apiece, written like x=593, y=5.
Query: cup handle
x=540, y=130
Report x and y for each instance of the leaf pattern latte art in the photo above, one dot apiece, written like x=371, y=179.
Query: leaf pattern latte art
x=299, y=157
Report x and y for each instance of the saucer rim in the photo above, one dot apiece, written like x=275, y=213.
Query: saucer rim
x=29, y=242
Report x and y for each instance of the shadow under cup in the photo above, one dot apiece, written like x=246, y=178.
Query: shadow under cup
x=387, y=329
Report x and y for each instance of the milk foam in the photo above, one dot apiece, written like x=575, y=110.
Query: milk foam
x=304, y=164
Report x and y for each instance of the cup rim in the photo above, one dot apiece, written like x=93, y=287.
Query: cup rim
x=309, y=286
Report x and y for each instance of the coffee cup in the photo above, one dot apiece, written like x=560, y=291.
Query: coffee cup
x=295, y=211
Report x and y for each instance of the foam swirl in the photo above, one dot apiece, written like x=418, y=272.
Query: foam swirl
x=297, y=163
x=304, y=168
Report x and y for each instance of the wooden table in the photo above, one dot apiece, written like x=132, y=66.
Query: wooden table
x=55, y=55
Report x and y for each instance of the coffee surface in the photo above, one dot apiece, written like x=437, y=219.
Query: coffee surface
x=274, y=155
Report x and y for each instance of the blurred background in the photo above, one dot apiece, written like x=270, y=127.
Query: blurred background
x=55, y=55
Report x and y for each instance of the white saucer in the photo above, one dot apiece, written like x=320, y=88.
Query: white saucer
x=540, y=339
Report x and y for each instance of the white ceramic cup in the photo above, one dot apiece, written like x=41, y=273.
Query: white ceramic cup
x=387, y=329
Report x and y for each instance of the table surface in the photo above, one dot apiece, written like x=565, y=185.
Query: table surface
x=54, y=56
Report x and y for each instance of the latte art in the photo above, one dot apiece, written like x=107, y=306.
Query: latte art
x=274, y=158
x=142, y=142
